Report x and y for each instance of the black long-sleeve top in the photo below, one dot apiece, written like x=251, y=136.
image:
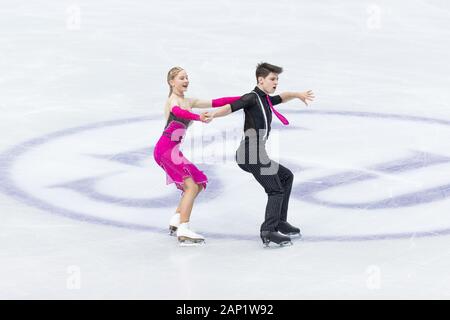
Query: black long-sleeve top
x=258, y=115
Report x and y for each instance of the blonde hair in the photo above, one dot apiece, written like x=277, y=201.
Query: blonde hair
x=170, y=76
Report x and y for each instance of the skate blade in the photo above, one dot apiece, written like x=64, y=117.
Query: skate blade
x=191, y=244
x=173, y=230
x=285, y=244
x=187, y=242
x=293, y=235
x=278, y=245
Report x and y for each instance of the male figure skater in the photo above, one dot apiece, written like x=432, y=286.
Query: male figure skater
x=252, y=157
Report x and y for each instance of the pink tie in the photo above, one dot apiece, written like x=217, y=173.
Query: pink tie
x=279, y=115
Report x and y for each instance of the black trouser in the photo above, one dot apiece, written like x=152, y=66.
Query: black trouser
x=276, y=180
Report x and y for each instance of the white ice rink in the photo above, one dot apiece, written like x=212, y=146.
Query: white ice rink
x=84, y=208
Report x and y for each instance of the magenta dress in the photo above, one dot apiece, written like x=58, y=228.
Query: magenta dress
x=168, y=156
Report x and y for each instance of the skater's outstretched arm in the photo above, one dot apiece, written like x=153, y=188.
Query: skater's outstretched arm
x=214, y=103
x=220, y=112
x=304, y=96
x=219, y=102
x=239, y=103
x=199, y=103
x=185, y=114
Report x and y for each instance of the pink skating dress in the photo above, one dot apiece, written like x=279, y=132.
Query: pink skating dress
x=168, y=155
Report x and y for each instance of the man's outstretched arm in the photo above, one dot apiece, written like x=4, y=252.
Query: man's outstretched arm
x=304, y=96
x=219, y=112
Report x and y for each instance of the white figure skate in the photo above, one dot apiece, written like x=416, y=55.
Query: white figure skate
x=187, y=237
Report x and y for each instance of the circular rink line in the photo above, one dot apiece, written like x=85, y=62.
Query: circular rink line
x=11, y=155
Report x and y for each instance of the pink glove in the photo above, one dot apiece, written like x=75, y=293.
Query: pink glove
x=181, y=113
x=223, y=101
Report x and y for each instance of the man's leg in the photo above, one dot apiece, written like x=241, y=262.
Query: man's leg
x=286, y=177
x=265, y=172
x=275, y=193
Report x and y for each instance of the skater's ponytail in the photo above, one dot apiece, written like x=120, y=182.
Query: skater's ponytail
x=170, y=76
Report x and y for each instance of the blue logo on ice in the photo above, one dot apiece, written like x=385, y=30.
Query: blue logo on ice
x=307, y=191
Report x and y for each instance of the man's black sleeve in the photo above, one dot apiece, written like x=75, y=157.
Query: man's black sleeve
x=276, y=100
x=246, y=101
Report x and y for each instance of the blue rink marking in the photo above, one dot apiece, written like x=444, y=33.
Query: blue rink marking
x=8, y=187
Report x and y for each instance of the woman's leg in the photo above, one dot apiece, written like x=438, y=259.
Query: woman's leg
x=191, y=191
x=178, y=210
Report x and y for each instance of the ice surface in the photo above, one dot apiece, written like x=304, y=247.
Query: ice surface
x=84, y=208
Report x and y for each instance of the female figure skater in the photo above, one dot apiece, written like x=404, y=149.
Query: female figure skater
x=179, y=170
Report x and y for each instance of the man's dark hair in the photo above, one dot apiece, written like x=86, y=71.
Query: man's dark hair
x=263, y=69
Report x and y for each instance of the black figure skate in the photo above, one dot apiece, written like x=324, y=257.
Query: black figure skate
x=286, y=228
x=273, y=236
